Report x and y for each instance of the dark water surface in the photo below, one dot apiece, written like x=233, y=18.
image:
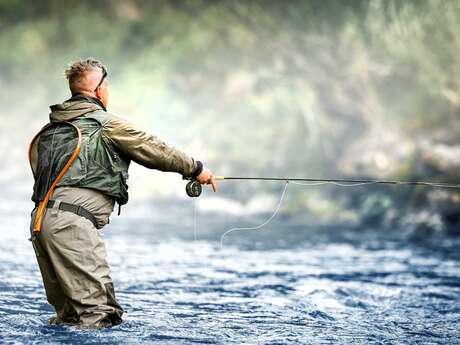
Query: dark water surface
x=286, y=285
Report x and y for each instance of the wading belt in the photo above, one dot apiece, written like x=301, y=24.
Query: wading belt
x=43, y=203
x=78, y=210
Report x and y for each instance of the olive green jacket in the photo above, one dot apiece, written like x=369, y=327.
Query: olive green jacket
x=124, y=141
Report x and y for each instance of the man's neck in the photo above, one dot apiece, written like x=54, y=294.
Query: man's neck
x=90, y=98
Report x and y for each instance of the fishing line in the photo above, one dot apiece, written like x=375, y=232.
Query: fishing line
x=343, y=182
x=261, y=225
x=193, y=191
x=332, y=183
x=283, y=195
x=195, y=207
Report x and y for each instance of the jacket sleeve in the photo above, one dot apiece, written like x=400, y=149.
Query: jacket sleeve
x=145, y=149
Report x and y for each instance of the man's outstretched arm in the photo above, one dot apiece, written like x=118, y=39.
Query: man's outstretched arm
x=151, y=152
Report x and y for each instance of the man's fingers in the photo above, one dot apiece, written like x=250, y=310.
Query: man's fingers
x=213, y=184
x=206, y=177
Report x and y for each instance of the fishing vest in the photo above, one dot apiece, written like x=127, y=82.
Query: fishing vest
x=98, y=165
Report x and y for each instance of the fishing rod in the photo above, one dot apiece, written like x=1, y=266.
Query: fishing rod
x=194, y=189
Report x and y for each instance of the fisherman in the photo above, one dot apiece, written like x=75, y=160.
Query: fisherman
x=80, y=164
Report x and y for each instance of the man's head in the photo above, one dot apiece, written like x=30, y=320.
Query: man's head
x=88, y=77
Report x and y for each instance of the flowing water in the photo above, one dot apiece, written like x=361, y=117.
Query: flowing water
x=287, y=284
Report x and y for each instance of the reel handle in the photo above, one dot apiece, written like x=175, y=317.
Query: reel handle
x=193, y=189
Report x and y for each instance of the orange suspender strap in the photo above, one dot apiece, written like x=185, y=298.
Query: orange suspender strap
x=42, y=204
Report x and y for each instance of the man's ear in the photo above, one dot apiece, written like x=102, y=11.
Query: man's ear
x=98, y=93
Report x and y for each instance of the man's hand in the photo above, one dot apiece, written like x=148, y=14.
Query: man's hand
x=206, y=177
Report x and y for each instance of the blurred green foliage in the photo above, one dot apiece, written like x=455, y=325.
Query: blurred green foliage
x=255, y=87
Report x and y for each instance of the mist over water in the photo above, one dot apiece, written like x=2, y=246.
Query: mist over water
x=324, y=89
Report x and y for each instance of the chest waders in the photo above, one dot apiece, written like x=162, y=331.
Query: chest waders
x=43, y=203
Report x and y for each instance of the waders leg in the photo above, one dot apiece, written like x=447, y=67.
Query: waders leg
x=75, y=271
x=54, y=293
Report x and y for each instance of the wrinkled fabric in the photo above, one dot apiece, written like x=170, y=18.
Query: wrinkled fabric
x=93, y=201
x=55, y=147
x=143, y=148
x=70, y=253
x=73, y=262
x=108, y=145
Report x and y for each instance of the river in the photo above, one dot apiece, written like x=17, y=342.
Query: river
x=289, y=283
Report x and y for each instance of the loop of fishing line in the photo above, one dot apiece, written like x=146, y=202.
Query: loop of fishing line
x=309, y=183
x=283, y=195
x=261, y=225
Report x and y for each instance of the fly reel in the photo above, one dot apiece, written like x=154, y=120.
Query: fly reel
x=193, y=189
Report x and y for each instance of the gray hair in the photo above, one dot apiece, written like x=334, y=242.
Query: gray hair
x=77, y=69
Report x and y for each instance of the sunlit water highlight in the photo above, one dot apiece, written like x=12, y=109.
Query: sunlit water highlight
x=311, y=290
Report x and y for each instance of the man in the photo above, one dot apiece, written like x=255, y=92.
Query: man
x=80, y=163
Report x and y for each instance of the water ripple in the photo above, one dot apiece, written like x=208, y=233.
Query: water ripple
x=184, y=292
